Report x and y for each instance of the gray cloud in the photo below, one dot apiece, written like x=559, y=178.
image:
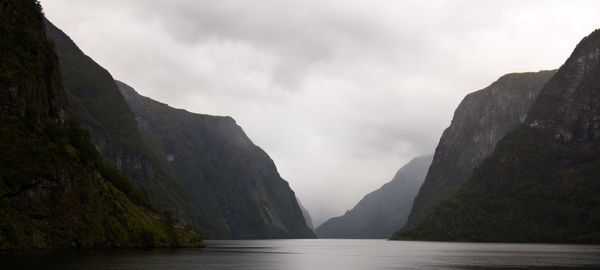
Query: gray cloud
x=339, y=93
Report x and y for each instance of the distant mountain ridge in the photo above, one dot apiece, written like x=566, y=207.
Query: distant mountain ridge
x=380, y=213
x=480, y=121
x=233, y=183
x=541, y=182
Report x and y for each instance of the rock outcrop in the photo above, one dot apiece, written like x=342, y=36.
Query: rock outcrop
x=233, y=183
x=55, y=190
x=97, y=105
x=541, y=182
x=479, y=122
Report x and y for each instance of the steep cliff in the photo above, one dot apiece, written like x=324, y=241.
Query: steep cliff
x=233, y=183
x=55, y=191
x=97, y=105
x=479, y=122
x=380, y=213
x=541, y=182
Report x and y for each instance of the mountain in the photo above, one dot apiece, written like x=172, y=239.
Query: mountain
x=380, y=213
x=480, y=121
x=55, y=190
x=233, y=183
x=306, y=215
x=541, y=182
x=97, y=105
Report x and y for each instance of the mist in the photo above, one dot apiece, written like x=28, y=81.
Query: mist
x=340, y=94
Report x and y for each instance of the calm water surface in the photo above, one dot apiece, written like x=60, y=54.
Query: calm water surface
x=318, y=254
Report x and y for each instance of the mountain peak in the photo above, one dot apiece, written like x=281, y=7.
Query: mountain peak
x=540, y=183
x=480, y=121
x=567, y=107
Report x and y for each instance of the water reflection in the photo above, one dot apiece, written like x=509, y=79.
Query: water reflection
x=317, y=254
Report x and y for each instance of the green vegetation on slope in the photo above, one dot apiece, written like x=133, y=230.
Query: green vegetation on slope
x=233, y=183
x=97, y=105
x=480, y=121
x=139, y=152
x=532, y=189
x=541, y=182
x=55, y=191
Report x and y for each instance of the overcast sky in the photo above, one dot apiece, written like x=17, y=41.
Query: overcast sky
x=339, y=93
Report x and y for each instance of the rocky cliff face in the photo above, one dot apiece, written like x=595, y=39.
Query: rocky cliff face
x=233, y=183
x=97, y=105
x=380, y=213
x=569, y=108
x=479, y=122
x=32, y=88
x=541, y=182
x=55, y=191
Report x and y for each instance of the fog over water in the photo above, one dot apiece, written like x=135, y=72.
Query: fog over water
x=339, y=93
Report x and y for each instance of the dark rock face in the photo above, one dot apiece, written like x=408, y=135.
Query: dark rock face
x=32, y=88
x=152, y=162
x=55, y=191
x=233, y=183
x=479, y=122
x=97, y=105
x=541, y=182
x=380, y=213
x=569, y=107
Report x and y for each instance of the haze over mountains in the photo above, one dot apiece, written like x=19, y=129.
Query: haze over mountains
x=56, y=191
x=519, y=163
x=233, y=184
x=380, y=213
x=202, y=168
x=97, y=105
x=479, y=122
x=541, y=182
x=306, y=215
x=91, y=163
x=335, y=92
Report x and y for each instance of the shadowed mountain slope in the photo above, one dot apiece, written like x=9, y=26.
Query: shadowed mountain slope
x=541, y=182
x=97, y=105
x=233, y=183
x=380, y=213
x=55, y=189
x=480, y=121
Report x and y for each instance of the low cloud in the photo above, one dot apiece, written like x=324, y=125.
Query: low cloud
x=340, y=93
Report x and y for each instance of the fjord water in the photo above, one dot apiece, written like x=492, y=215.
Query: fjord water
x=318, y=254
